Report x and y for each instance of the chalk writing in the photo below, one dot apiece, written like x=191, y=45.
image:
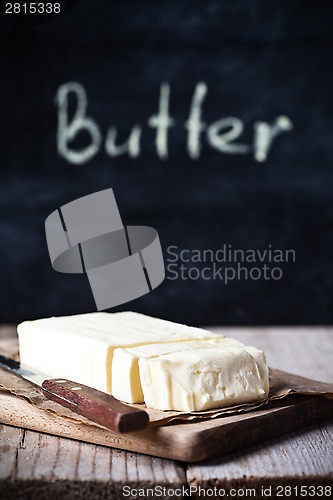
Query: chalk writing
x=220, y=135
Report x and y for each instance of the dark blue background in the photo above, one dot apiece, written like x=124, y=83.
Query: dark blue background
x=259, y=60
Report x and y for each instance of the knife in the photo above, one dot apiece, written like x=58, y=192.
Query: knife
x=91, y=403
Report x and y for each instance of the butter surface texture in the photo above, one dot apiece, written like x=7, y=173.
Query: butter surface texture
x=205, y=378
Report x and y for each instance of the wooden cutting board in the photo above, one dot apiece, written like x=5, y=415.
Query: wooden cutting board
x=189, y=442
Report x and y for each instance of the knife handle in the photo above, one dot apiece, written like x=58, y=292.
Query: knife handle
x=95, y=405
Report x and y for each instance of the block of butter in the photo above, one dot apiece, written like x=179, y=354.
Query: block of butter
x=81, y=347
x=126, y=383
x=202, y=379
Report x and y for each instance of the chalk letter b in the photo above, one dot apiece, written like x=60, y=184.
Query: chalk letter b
x=67, y=131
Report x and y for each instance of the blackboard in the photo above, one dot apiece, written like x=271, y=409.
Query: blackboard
x=212, y=122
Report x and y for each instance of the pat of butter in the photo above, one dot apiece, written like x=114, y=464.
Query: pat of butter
x=126, y=384
x=204, y=378
x=81, y=347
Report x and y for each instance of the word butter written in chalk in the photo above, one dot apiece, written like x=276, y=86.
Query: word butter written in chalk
x=222, y=135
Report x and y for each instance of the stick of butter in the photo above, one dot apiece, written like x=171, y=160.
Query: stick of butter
x=81, y=347
x=204, y=378
x=126, y=383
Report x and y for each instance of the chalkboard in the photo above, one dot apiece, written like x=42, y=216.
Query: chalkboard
x=212, y=122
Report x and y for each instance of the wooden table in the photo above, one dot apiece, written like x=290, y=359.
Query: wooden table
x=36, y=465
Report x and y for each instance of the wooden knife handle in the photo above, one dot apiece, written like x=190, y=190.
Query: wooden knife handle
x=95, y=405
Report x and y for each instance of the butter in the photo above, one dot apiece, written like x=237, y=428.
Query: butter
x=80, y=347
x=202, y=379
x=126, y=383
x=139, y=358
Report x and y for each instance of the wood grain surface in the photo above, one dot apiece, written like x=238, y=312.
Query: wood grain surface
x=36, y=465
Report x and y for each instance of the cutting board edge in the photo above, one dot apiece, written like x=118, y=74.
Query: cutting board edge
x=195, y=444
x=298, y=415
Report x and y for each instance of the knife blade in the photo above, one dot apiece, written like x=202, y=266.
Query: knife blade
x=96, y=405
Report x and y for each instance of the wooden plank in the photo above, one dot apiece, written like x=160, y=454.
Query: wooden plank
x=48, y=465
x=298, y=459
x=10, y=443
x=7, y=331
x=305, y=351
